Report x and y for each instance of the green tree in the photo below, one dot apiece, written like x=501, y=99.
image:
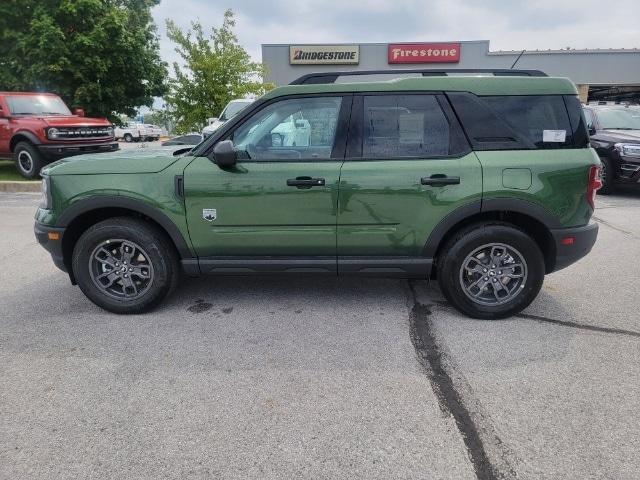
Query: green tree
x=216, y=69
x=102, y=55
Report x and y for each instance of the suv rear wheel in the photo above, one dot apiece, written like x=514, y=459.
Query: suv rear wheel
x=124, y=265
x=28, y=160
x=491, y=271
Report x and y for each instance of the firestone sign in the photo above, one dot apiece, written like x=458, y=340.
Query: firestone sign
x=423, y=53
x=324, y=54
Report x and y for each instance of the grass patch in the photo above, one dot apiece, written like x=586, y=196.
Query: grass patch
x=8, y=172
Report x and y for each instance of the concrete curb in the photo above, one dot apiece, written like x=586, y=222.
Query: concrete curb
x=17, y=187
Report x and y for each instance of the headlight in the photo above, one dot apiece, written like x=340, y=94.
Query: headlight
x=47, y=202
x=53, y=133
x=110, y=131
x=628, y=149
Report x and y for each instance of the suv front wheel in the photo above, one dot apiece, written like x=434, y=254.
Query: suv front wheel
x=491, y=271
x=607, y=176
x=125, y=265
x=28, y=160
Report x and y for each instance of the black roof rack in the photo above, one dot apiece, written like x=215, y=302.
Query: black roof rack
x=331, y=77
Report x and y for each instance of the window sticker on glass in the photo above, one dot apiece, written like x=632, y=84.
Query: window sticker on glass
x=554, y=136
x=411, y=127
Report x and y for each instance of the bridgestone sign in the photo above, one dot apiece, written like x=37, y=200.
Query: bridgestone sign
x=324, y=54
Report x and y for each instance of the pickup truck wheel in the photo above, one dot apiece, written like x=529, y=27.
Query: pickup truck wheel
x=128, y=137
x=491, y=271
x=124, y=265
x=28, y=160
x=607, y=176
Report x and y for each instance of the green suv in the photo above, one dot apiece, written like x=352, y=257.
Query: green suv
x=486, y=183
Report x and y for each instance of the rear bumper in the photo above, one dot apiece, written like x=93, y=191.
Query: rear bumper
x=50, y=243
x=56, y=151
x=570, y=251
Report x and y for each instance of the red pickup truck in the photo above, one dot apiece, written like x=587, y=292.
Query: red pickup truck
x=38, y=128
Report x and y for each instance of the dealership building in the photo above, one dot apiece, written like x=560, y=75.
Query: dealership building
x=600, y=74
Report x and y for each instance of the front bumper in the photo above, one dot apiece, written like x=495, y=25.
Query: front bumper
x=573, y=243
x=51, y=240
x=630, y=171
x=57, y=151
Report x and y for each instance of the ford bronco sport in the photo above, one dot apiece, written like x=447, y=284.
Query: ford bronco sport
x=486, y=183
x=37, y=128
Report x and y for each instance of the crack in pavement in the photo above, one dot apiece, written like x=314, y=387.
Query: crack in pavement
x=563, y=323
x=611, y=225
x=580, y=326
x=450, y=400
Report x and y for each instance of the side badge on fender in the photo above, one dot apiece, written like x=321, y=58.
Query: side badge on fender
x=209, y=214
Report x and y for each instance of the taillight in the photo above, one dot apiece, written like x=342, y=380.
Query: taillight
x=593, y=185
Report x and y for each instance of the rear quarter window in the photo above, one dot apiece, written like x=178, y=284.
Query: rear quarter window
x=515, y=122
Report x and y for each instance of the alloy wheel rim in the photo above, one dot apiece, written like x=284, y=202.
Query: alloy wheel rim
x=121, y=269
x=25, y=161
x=493, y=274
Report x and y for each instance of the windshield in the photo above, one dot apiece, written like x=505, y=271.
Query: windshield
x=619, y=118
x=232, y=109
x=36, y=105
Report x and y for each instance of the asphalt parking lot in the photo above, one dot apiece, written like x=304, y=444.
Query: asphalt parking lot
x=321, y=378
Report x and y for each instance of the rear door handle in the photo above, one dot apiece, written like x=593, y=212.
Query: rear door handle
x=439, y=180
x=305, y=182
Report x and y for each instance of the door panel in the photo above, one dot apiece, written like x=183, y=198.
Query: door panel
x=257, y=214
x=408, y=166
x=384, y=210
x=280, y=198
x=5, y=137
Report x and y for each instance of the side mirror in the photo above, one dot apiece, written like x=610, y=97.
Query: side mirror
x=224, y=154
x=79, y=112
x=592, y=130
x=213, y=120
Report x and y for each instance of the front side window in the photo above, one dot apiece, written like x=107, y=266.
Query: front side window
x=36, y=105
x=292, y=129
x=397, y=126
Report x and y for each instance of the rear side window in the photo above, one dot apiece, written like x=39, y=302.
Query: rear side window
x=397, y=126
x=514, y=122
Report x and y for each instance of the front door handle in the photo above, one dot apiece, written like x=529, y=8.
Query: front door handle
x=305, y=182
x=439, y=180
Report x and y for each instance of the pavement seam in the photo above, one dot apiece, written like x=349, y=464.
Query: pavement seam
x=449, y=399
x=580, y=326
x=563, y=323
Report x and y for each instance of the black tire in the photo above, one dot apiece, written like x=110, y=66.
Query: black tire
x=127, y=137
x=28, y=160
x=162, y=264
x=460, y=248
x=608, y=177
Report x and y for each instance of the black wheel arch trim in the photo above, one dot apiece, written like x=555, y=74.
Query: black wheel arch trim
x=107, y=201
x=486, y=206
x=24, y=133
